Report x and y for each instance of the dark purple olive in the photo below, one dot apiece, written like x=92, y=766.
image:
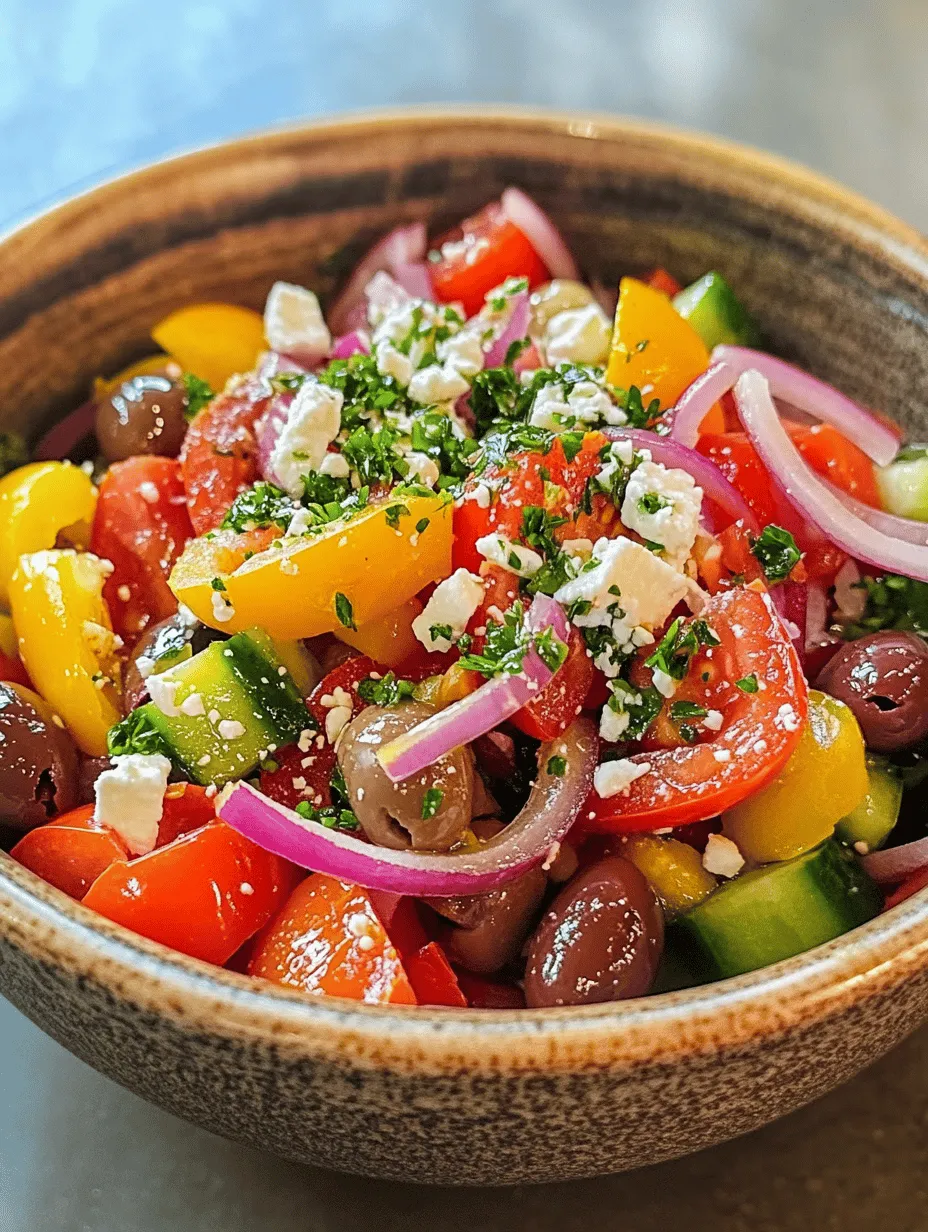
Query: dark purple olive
x=600, y=940
x=38, y=760
x=430, y=811
x=146, y=414
x=884, y=680
x=167, y=637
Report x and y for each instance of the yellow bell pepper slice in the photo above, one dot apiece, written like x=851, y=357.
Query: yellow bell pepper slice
x=41, y=504
x=213, y=341
x=142, y=367
x=388, y=640
x=652, y=346
x=356, y=570
x=66, y=641
x=8, y=641
x=824, y=780
x=674, y=870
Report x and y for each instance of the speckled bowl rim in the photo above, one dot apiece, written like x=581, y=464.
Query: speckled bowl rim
x=868, y=962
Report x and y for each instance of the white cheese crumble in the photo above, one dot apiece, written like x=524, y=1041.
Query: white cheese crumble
x=335, y=465
x=451, y=605
x=130, y=799
x=338, y=697
x=392, y=362
x=162, y=690
x=148, y=492
x=722, y=857
x=462, y=352
x=422, y=468
x=313, y=422
x=663, y=505
x=578, y=336
x=437, y=383
x=615, y=778
x=230, y=729
x=586, y=405
x=336, y=720
x=786, y=718
x=664, y=683
x=222, y=608
x=713, y=720
x=293, y=323
x=614, y=723
x=514, y=557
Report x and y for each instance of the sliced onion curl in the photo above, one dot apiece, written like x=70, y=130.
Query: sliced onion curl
x=481, y=711
x=897, y=864
x=395, y=252
x=515, y=330
x=697, y=400
x=267, y=430
x=889, y=523
x=540, y=232
x=850, y=596
x=358, y=342
x=551, y=809
x=810, y=495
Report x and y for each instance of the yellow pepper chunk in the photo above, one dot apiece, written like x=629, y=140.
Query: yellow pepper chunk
x=652, y=346
x=213, y=341
x=674, y=870
x=8, y=643
x=38, y=504
x=66, y=641
x=388, y=640
x=824, y=780
x=356, y=570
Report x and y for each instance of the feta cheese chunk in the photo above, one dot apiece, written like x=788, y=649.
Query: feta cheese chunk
x=130, y=799
x=648, y=589
x=392, y=362
x=293, y=323
x=437, y=383
x=336, y=465
x=422, y=468
x=663, y=506
x=614, y=778
x=463, y=352
x=522, y=561
x=450, y=607
x=586, y=405
x=578, y=336
x=313, y=422
x=722, y=857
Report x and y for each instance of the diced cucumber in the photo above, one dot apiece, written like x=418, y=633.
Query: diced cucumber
x=716, y=314
x=247, y=704
x=302, y=666
x=775, y=912
x=903, y=486
x=873, y=820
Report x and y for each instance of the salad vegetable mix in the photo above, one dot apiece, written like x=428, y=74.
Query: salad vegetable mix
x=487, y=640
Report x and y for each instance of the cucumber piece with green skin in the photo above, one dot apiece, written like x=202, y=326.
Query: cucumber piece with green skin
x=903, y=485
x=716, y=314
x=873, y=820
x=775, y=912
x=247, y=704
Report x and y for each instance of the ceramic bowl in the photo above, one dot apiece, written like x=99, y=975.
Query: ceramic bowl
x=432, y=1095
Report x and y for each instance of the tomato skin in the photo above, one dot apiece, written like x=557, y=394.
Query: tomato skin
x=433, y=979
x=12, y=671
x=660, y=280
x=142, y=537
x=314, y=945
x=689, y=784
x=189, y=895
x=505, y=252
x=70, y=852
x=485, y=994
x=556, y=707
x=186, y=807
x=219, y=458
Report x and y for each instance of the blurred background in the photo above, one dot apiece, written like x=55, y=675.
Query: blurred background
x=89, y=88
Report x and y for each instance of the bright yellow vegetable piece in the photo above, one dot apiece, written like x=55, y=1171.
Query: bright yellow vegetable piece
x=66, y=641
x=824, y=780
x=291, y=590
x=8, y=643
x=456, y=683
x=388, y=640
x=39, y=503
x=652, y=346
x=674, y=870
x=142, y=367
x=213, y=341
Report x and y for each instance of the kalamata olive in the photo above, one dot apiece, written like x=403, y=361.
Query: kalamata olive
x=600, y=940
x=167, y=637
x=144, y=415
x=884, y=680
x=38, y=760
x=391, y=814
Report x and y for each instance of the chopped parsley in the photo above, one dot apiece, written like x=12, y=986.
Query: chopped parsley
x=678, y=644
x=637, y=414
x=199, y=394
x=437, y=436
x=136, y=734
x=387, y=691
x=557, y=766
x=776, y=552
x=287, y=382
x=261, y=505
x=13, y=452
x=344, y=611
x=653, y=502
x=431, y=802
x=747, y=684
x=892, y=602
x=641, y=705
x=217, y=584
x=332, y=817
x=507, y=644
x=687, y=710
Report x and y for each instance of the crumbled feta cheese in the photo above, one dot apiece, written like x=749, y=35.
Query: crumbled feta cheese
x=722, y=857
x=123, y=593
x=300, y=523
x=192, y=706
x=663, y=505
x=336, y=720
x=145, y=665
x=293, y=323
x=313, y=422
x=392, y=362
x=522, y=561
x=130, y=799
x=462, y=352
x=613, y=724
x=665, y=684
x=148, y=492
x=578, y=336
x=786, y=718
x=162, y=690
x=586, y=405
x=422, y=468
x=222, y=608
x=722, y=755
x=581, y=549
x=338, y=697
x=649, y=589
x=437, y=383
x=230, y=729
x=713, y=720
x=247, y=889
x=620, y=454
x=451, y=605
x=614, y=778
x=305, y=741
x=336, y=465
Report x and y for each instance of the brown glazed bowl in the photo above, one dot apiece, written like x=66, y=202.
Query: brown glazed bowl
x=432, y=1095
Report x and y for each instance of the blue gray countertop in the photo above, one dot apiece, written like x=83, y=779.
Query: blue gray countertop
x=91, y=87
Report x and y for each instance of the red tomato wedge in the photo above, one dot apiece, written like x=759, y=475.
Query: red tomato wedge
x=70, y=852
x=220, y=454
x=760, y=730
x=432, y=977
x=141, y=524
x=204, y=894
x=12, y=670
x=329, y=940
x=481, y=253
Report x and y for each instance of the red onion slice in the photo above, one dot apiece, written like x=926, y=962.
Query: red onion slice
x=867, y=431
x=402, y=246
x=62, y=439
x=897, y=864
x=549, y=812
x=889, y=523
x=414, y=278
x=481, y=711
x=355, y=343
x=812, y=497
x=267, y=430
x=697, y=400
x=540, y=232
x=515, y=330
